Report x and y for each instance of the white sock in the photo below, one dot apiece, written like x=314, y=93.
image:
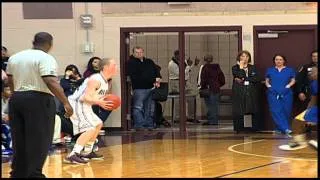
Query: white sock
x=88, y=147
x=76, y=149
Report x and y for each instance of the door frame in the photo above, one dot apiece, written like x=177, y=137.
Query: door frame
x=125, y=52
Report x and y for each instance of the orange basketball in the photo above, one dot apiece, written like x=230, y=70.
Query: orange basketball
x=115, y=99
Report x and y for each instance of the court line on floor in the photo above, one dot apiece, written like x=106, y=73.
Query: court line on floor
x=230, y=148
x=248, y=169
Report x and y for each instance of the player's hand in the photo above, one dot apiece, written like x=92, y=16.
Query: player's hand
x=302, y=96
x=108, y=105
x=68, y=109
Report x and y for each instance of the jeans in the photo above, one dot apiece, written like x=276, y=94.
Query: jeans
x=212, y=103
x=143, y=108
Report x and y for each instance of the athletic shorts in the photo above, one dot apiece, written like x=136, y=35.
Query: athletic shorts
x=83, y=118
x=309, y=115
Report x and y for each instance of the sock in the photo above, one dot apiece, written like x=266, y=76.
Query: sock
x=88, y=147
x=76, y=149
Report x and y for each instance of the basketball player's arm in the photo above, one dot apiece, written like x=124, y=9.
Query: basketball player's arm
x=90, y=97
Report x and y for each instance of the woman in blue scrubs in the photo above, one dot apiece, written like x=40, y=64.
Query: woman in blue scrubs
x=279, y=80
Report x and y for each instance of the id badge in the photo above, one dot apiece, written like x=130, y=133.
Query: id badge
x=246, y=83
x=309, y=69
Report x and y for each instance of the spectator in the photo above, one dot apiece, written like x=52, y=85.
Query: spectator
x=302, y=86
x=279, y=80
x=92, y=67
x=245, y=91
x=71, y=80
x=5, y=57
x=4, y=79
x=144, y=76
x=6, y=140
x=173, y=69
x=212, y=78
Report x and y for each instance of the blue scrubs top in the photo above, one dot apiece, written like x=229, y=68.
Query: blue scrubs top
x=279, y=80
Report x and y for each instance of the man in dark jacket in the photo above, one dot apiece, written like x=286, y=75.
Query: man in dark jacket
x=144, y=76
x=302, y=86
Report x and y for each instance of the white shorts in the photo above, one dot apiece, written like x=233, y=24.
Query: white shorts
x=83, y=118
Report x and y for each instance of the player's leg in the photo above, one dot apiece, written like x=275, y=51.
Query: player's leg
x=298, y=140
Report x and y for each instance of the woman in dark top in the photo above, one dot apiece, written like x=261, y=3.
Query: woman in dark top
x=245, y=90
x=213, y=78
x=70, y=81
x=92, y=67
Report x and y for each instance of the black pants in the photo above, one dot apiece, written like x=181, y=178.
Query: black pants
x=32, y=116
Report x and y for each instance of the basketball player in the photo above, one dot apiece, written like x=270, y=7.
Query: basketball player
x=84, y=120
x=310, y=116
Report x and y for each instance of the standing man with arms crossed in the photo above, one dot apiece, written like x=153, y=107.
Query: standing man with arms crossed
x=32, y=77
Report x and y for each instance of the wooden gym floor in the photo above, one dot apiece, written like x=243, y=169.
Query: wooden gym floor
x=204, y=151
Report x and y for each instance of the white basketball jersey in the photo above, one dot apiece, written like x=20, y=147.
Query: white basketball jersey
x=102, y=91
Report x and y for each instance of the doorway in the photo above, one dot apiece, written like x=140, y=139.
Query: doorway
x=160, y=43
x=295, y=42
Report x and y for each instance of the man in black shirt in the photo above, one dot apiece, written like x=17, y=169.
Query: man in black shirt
x=144, y=76
x=302, y=86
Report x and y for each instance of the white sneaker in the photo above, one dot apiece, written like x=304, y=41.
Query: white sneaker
x=291, y=146
x=314, y=143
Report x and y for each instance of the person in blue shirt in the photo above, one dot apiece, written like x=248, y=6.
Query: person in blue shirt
x=279, y=80
x=309, y=116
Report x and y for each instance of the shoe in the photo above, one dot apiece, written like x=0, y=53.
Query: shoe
x=93, y=156
x=288, y=131
x=291, y=146
x=278, y=132
x=75, y=159
x=313, y=143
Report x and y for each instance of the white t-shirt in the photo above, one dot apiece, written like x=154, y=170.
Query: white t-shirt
x=102, y=91
x=27, y=68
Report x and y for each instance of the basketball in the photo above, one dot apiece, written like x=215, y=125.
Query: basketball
x=115, y=99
